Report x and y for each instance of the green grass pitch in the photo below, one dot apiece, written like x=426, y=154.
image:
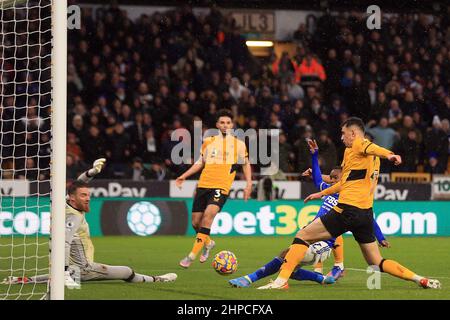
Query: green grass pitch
x=161, y=254
x=157, y=255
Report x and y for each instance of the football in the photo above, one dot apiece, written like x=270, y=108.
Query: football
x=225, y=262
x=317, y=252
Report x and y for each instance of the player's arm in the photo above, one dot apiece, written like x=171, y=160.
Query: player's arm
x=317, y=175
x=315, y=171
x=247, y=170
x=196, y=167
x=97, y=167
x=335, y=188
x=370, y=148
x=379, y=235
x=325, y=177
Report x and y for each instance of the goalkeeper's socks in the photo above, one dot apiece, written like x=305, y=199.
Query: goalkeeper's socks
x=142, y=278
x=200, y=241
x=306, y=275
x=396, y=269
x=267, y=270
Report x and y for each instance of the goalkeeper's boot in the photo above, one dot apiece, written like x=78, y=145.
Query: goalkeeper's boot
x=430, y=283
x=241, y=282
x=69, y=282
x=280, y=285
x=186, y=262
x=168, y=277
x=206, y=250
x=336, y=272
x=15, y=280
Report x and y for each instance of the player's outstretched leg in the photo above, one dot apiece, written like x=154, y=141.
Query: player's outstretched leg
x=338, y=252
x=200, y=239
x=209, y=245
x=314, y=232
x=168, y=277
x=268, y=269
x=318, y=267
x=306, y=275
x=372, y=255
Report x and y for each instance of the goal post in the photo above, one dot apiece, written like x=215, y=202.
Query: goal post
x=58, y=163
x=33, y=85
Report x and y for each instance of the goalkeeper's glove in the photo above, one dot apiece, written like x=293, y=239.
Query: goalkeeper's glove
x=69, y=282
x=97, y=167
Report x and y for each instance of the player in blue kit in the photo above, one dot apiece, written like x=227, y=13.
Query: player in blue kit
x=319, y=251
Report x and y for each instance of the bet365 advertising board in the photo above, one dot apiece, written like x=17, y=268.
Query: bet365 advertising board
x=165, y=216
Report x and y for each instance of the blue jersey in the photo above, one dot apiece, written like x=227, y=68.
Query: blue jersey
x=330, y=201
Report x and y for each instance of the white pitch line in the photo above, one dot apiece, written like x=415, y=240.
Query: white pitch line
x=252, y=269
x=364, y=270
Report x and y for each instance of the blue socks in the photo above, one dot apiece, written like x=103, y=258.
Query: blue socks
x=274, y=266
x=267, y=270
x=302, y=275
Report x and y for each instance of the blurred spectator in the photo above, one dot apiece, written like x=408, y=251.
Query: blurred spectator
x=118, y=150
x=30, y=172
x=137, y=171
x=434, y=166
x=73, y=147
x=95, y=145
x=301, y=35
x=159, y=172
x=446, y=129
x=236, y=89
x=395, y=114
x=295, y=92
x=409, y=147
x=309, y=70
x=408, y=125
x=436, y=147
x=73, y=168
x=150, y=146
x=383, y=135
x=303, y=154
x=286, y=154
x=327, y=152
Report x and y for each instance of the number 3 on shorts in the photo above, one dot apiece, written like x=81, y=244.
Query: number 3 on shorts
x=217, y=195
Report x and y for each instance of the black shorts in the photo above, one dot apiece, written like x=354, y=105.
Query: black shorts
x=204, y=197
x=358, y=221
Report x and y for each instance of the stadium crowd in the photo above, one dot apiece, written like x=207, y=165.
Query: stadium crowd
x=131, y=83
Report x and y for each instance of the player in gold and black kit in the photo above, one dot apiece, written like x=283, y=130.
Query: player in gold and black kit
x=354, y=209
x=220, y=156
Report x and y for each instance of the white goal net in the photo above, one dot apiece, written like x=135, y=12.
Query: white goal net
x=25, y=145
